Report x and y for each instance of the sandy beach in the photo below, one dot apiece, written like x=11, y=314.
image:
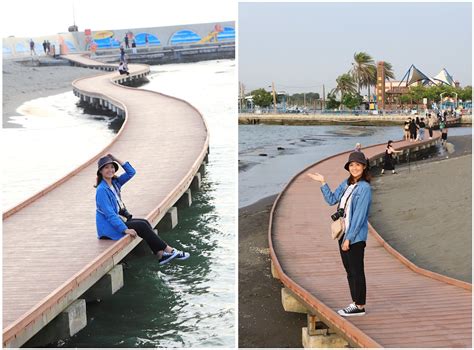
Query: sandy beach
x=426, y=214
x=22, y=83
x=420, y=212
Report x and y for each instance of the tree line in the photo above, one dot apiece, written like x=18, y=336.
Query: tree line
x=263, y=98
x=363, y=74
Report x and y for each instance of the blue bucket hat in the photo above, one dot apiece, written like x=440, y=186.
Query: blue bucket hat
x=103, y=162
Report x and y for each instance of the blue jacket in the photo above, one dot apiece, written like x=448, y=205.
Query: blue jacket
x=108, y=222
x=359, y=210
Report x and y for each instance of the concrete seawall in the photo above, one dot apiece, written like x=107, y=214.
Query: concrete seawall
x=321, y=119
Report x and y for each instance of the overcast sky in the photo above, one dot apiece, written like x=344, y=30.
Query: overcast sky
x=25, y=18
x=301, y=46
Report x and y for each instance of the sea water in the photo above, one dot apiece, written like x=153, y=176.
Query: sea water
x=270, y=155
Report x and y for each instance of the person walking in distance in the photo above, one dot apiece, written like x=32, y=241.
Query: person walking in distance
x=113, y=220
x=413, y=128
x=431, y=123
x=406, y=129
x=126, y=41
x=355, y=195
x=388, y=158
x=32, y=48
x=444, y=134
x=421, y=130
x=122, y=54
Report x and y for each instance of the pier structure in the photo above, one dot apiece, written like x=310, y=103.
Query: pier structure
x=52, y=260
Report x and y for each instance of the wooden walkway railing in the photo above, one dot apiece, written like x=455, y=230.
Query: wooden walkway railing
x=406, y=305
x=51, y=254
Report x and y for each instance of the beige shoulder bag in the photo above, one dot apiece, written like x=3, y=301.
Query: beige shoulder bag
x=338, y=226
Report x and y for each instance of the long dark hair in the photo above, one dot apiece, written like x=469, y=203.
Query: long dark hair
x=100, y=178
x=365, y=176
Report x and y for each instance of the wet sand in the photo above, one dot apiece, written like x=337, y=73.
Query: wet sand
x=262, y=320
x=433, y=241
x=426, y=213
x=22, y=83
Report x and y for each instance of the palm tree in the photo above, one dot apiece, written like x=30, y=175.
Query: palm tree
x=362, y=69
x=345, y=85
x=387, y=67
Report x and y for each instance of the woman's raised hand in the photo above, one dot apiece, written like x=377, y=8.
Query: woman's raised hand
x=115, y=159
x=317, y=177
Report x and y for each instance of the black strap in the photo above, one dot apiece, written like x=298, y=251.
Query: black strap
x=347, y=200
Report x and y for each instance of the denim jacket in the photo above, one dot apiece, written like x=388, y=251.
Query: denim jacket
x=359, y=209
x=108, y=222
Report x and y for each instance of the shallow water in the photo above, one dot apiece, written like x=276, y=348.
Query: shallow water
x=55, y=138
x=264, y=169
x=182, y=304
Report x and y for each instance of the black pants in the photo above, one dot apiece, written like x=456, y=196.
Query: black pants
x=431, y=132
x=145, y=231
x=353, y=261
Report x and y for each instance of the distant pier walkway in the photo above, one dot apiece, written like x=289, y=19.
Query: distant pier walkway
x=406, y=305
x=340, y=118
x=51, y=254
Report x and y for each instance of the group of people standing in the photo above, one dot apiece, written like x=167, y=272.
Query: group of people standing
x=46, y=47
x=414, y=128
x=126, y=43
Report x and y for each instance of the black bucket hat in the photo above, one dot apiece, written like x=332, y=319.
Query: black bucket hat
x=103, y=162
x=358, y=157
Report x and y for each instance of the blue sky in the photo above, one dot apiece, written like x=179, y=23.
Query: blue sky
x=301, y=46
x=46, y=17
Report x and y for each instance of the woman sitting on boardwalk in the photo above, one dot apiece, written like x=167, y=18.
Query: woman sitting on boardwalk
x=112, y=218
x=123, y=68
x=355, y=195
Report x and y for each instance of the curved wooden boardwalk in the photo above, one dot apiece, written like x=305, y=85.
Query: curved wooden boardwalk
x=406, y=305
x=51, y=253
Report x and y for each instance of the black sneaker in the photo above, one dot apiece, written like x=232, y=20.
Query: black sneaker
x=180, y=255
x=167, y=257
x=351, y=310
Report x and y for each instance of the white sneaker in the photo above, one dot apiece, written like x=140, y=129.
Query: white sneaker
x=180, y=255
x=351, y=310
x=167, y=257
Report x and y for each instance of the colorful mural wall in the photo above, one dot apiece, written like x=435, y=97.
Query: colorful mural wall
x=18, y=47
x=92, y=41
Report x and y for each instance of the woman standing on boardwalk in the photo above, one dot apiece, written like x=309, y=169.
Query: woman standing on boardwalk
x=113, y=221
x=355, y=195
x=388, y=158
